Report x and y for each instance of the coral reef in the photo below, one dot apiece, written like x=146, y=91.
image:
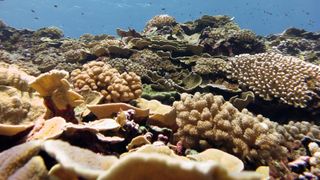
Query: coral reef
x=102, y=77
x=274, y=76
x=94, y=124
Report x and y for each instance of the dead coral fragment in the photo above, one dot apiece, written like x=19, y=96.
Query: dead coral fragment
x=85, y=163
x=272, y=75
x=33, y=169
x=102, y=77
x=51, y=128
x=160, y=114
x=15, y=157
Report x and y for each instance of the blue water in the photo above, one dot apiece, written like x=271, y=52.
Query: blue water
x=77, y=17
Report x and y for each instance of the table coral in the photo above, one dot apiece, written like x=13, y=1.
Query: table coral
x=102, y=77
x=274, y=76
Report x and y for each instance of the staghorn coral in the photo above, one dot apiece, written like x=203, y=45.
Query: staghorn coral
x=102, y=77
x=159, y=21
x=270, y=75
x=206, y=120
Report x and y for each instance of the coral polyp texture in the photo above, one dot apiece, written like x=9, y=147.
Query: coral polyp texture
x=206, y=120
x=160, y=21
x=274, y=76
x=102, y=77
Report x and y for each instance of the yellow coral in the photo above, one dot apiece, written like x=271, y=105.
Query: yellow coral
x=53, y=84
x=102, y=77
x=206, y=120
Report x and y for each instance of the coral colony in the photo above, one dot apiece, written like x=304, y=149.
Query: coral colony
x=198, y=100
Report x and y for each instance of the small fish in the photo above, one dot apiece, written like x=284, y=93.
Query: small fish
x=163, y=9
x=36, y=18
x=55, y=6
x=33, y=11
x=82, y=13
x=231, y=19
x=1, y=0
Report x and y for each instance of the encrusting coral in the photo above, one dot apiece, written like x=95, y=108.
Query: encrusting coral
x=272, y=75
x=206, y=120
x=58, y=96
x=115, y=87
x=211, y=66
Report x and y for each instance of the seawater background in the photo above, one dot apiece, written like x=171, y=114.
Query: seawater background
x=76, y=17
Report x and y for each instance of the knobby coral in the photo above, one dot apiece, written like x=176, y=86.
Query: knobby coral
x=206, y=120
x=272, y=75
x=102, y=77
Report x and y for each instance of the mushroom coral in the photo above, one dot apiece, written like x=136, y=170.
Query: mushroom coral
x=58, y=96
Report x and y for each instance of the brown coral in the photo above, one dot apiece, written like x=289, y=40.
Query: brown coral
x=211, y=66
x=160, y=21
x=272, y=75
x=206, y=120
x=102, y=77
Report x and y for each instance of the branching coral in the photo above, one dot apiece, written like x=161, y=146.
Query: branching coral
x=272, y=75
x=205, y=120
x=102, y=77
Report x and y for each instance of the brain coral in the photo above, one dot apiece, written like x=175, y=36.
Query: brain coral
x=102, y=77
x=272, y=75
x=206, y=120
